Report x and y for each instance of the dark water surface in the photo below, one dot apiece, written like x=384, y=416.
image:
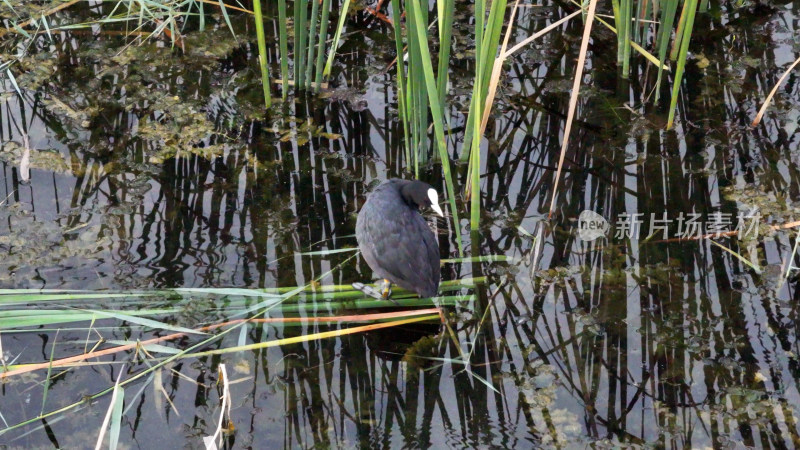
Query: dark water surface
x=155, y=168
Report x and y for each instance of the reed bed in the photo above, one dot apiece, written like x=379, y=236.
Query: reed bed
x=424, y=45
x=637, y=23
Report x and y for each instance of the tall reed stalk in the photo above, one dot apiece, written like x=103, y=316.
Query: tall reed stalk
x=323, y=36
x=664, y=34
x=284, y=48
x=487, y=40
x=446, y=11
x=312, y=36
x=300, y=36
x=262, y=52
x=401, y=79
x=690, y=8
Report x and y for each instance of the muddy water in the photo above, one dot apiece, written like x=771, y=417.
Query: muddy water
x=156, y=168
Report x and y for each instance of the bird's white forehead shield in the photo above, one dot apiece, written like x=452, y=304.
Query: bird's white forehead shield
x=434, y=196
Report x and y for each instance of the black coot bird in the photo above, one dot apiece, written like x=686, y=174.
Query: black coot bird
x=395, y=239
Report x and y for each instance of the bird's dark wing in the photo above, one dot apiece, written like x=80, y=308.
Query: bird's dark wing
x=404, y=248
x=432, y=245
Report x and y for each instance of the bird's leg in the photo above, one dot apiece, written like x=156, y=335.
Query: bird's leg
x=367, y=290
x=386, y=289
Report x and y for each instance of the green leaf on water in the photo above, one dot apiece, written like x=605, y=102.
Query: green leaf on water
x=13, y=81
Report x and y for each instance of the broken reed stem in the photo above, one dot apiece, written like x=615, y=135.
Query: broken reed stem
x=497, y=69
x=539, y=34
x=726, y=233
x=498, y=65
x=763, y=109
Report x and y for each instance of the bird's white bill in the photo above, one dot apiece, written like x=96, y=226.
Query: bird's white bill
x=434, y=196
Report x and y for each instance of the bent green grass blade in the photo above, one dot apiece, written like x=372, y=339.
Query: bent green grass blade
x=240, y=292
x=20, y=319
x=225, y=16
x=13, y=81
x=741, y=258
x=152, y=348
x=327, y=252
x=146, y=322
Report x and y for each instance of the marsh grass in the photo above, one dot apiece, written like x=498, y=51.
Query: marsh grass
x=680, y=52
x=635, y=33
x=487, y=39
x=635, y=21
x=283, y=43
x=311, y=29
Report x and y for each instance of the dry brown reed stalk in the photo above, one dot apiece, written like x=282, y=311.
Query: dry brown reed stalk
x=573, y=100
x=763, y=109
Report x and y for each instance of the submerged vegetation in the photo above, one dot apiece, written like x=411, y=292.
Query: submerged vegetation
x=158, y=153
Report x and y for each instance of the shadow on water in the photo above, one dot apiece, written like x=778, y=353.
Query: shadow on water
x=157, y=168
